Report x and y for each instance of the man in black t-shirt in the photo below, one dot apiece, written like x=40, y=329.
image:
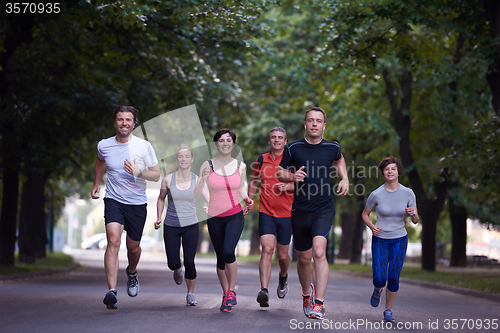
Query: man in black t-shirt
x=311, y=162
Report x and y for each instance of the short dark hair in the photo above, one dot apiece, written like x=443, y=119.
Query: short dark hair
x=315, y=108
x=389, y=160
x=224, y=131
x=277, y=129
x=122, y=108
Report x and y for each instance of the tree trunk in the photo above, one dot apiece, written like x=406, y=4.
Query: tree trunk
x=255, y=241
x=357, y=237
x=428, y=237
x=8, y=220
x=348, y=224
x=492, y=9
x=429, y=209
x=32, y=224
x=360, y=226
x=458, y=216
x=10, y=181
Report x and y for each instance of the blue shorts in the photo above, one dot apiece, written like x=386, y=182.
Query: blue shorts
x=132, y=217
x=307, y=225
x=281, y=227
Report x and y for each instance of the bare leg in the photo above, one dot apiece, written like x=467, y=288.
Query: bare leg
x=111, y=263
x=283, y=258
x=390, y=297
x=133, y=254
x=267, y=242
x=231, y=273
x=304, y=269
x=190, y=285
x=221, y=274
x=321, y=268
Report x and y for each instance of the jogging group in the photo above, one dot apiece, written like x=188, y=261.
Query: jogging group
x=295, y=199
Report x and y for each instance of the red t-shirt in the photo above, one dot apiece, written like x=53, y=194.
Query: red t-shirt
x=272, y=202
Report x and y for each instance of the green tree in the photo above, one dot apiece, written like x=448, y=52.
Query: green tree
x=57, y=89
x=414, y=64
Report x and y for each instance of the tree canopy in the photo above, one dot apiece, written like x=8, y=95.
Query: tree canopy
x=416, y=79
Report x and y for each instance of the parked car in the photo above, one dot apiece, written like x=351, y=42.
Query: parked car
x=92, y=243
x=147, y=243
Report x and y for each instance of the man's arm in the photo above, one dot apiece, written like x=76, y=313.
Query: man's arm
x=342, y=171
x=150, y=173
x=286, y=176
x=100, y=168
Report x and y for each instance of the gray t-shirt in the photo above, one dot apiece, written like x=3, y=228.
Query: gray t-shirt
x=390, y=207
x=120, y=185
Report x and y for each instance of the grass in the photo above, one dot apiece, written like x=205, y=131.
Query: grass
x=483, y=281
x=53, y=260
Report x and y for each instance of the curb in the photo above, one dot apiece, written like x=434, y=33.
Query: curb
x=434, y=285
x=45, y=272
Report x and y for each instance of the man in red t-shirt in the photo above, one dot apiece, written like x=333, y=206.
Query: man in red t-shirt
x=275, y=204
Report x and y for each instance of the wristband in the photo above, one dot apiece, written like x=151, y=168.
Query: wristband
x=139, y=175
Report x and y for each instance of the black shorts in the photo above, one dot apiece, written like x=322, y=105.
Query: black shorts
x=307, y=225
x=132, y=217
x=281, y=227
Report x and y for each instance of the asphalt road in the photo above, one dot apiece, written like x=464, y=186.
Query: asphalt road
x=72, y=302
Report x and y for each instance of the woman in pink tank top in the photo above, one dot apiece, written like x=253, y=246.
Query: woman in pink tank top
x=225, y=177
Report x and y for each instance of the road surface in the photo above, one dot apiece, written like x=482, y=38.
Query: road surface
x=72, y=302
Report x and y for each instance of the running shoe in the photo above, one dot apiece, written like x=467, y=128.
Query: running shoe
x=178, y=276
x=231, y=298
x=263, y=298
x=111, y=299
x=388, y=315
x=224, y=307
x=190, y=300
x=375, y=299
x=282, y=286
x=318, y=311
x=308, y=301
x=132, y=283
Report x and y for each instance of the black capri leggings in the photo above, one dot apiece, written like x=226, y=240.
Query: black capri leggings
x=225, y=233
x=172, y=238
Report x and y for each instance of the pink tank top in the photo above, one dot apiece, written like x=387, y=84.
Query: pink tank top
x=224, y=198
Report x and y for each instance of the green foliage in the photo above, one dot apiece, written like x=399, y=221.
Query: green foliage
x=483, y=281
x=55, y=260
x=475, y=161
x=157, y=56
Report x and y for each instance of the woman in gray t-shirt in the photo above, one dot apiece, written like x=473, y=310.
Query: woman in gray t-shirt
x=392, y=202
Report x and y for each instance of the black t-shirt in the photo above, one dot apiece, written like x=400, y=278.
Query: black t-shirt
x=315, y=192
